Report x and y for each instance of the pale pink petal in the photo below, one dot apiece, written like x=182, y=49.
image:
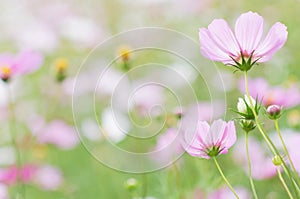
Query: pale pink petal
x=28, y=62
x=216, y=133
x=202, y=131
x=59, y=134
x=274, y=40
x=223, y=36
x=231, y=135
x=49, y=178
x=210, y=49
x=249, y=28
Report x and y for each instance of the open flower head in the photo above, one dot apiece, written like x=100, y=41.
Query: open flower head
x=24, y=63
x=244, y=47
x=213, y=140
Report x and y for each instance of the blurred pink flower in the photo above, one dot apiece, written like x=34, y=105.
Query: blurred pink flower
x=225, y=193
x=147, y=97
x=261, y=164
x=169, y=146
x=219, y=43
x=292, y=140
x=10, y=175
x=277, y=95
x=48, y=178
x=211, y=140
x=57, y=133
x=24, y=63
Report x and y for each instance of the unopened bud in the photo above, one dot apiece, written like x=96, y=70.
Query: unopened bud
x=61, y=65
x=274, y=112
x=277, y=161
x=247, y=125
x=131, y=184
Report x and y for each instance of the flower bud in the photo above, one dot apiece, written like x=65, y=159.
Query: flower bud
x=61, y=65
x=131, y=184
x=274, y=112
x=247, y=125
x=277, y=160
x=243, y=104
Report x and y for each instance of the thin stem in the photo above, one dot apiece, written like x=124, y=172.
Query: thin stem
x=224, y=178
x=286, y=151
x=13, y=134
x=267, y=138
x=178, y=180
x=249, y=167
x=284, y=184
x=144, y=189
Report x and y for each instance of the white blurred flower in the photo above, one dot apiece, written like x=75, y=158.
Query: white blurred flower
x=90, y=130
x=83, y=31
x=3, y=191
x=115, y=124
x=7, y=156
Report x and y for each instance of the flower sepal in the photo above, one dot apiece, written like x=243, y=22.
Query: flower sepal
x=246, y=64
x=247, y=125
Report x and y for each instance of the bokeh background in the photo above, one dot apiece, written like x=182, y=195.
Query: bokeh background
x=50, y=138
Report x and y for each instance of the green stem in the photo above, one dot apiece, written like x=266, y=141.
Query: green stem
x=13, y=134
x=249, y=167
x=178, y=180
x=144, y=189
x=284, y=184
x=224, y=178
x=267, y=138
x=286, y=151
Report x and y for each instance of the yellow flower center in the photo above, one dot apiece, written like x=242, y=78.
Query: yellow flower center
x=61, y=64
x=6, y=71
x=124, y=52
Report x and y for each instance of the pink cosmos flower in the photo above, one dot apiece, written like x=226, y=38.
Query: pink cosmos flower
x=10, y=175
x=210, y=141
x=219, y=43
x=24, y=63
x=56, y=132
x=269, y=95
x=46, y=177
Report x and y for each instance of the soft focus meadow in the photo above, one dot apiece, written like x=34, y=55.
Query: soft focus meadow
x=104, y=99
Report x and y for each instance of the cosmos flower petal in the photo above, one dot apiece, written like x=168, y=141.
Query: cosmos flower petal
x=223, y=36
x=210, y=49
x=27, y=62
x=249, y=28
x=216, y=132
x=231, y=134
x=274, y=40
